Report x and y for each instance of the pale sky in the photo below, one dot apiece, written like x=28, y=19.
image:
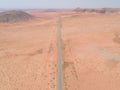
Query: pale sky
x=46, y=4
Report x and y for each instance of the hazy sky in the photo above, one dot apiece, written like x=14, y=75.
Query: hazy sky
x=21, y=4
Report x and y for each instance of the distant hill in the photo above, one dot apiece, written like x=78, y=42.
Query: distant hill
x=101, y=10
x=14, y=16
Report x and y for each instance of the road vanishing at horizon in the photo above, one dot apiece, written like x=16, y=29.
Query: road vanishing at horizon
x=59, y=68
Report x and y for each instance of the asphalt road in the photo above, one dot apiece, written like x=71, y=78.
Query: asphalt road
x=59, y=68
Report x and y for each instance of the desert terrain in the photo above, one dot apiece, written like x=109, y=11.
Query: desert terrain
x=90, y=45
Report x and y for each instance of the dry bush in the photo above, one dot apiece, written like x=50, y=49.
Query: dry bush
x=117, y=38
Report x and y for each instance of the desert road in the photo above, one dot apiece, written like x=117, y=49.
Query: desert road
x=78, y=51
x=60, y=75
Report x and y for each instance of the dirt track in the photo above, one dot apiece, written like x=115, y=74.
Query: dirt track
x=28, y=53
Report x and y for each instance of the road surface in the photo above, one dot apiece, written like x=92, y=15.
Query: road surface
x=60, y=74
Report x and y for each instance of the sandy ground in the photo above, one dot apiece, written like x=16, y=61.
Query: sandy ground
x=91, y=54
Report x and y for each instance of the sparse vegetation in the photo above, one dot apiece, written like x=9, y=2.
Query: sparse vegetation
x=117, y=38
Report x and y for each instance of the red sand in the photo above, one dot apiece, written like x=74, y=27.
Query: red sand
x=28, y=52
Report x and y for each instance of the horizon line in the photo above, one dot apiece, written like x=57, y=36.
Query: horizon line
x=56, y=8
